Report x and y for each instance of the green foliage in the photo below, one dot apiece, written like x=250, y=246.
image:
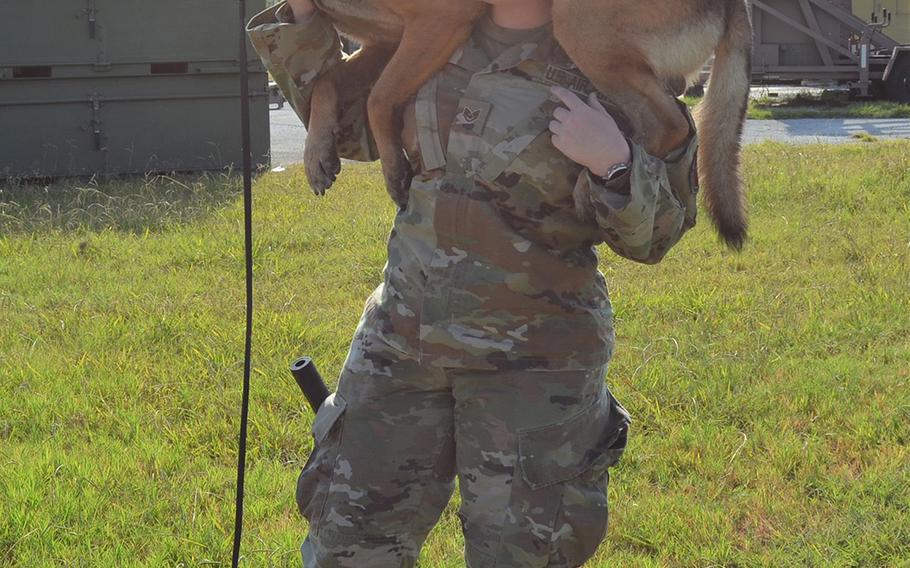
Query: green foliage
x=770, y=390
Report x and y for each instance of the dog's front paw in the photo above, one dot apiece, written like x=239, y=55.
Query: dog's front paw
x=398, y=176
x=322, y=162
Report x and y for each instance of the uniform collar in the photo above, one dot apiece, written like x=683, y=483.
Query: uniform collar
x=472, y=57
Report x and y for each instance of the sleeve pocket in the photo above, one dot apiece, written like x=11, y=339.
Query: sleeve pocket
x=589, y=442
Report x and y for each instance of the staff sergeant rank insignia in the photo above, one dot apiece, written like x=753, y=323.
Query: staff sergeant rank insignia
x=469, y=115
x=473, y=115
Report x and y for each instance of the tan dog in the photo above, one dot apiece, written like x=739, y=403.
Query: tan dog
x=634, y=51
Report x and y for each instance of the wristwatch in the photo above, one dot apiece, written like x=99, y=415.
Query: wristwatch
x=619, y=169
x=616, y=170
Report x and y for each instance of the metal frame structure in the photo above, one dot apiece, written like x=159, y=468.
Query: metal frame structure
x=825, y=42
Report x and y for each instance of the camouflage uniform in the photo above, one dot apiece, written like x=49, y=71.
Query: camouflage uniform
x=483, y=352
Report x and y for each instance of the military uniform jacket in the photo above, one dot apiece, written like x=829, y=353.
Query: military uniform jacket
x=489, y=266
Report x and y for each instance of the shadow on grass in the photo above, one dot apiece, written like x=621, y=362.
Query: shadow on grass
x=134, y=204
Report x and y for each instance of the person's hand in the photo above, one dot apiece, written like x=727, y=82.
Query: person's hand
x=302, y=9
x=587, y=134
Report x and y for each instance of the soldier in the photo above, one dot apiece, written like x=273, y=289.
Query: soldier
x=483, y=352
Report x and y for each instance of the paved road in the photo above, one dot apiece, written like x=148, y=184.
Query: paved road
x=288, y=137
x=824, y=130
x=288, y=134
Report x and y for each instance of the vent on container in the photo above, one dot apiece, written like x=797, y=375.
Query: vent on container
x=31, y=71
x=170, y=68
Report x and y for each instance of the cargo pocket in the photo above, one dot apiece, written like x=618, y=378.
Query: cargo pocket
x=563, y=487
x=316, y=477
x=587, y=443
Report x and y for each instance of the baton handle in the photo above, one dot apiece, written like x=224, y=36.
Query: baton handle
x=310, y=382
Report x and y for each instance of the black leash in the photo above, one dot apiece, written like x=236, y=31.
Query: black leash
x=248, y=244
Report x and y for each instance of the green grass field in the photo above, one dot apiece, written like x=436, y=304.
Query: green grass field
x=770, y=390
x=815, y=106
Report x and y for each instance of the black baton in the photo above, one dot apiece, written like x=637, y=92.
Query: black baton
x=310, y=382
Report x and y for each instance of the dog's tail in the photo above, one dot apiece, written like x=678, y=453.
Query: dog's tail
x=719, y=119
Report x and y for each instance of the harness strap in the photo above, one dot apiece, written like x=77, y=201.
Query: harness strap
x=431, y=151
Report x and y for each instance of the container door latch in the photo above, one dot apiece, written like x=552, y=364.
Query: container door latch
x=97, y=133
x=92, y=13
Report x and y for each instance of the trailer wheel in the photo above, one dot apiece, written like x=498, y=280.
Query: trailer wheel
x=695, y=91
x=876, y=90
x=897, y=87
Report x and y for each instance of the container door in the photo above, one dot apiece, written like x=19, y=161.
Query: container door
x=171, y=31
x=35, y=33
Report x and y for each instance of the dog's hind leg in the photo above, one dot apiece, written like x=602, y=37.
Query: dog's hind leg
x=610, y=42
x=350, y=80
x=428, y=42
x=647, y=105
x=627, y=80
x=659, y=124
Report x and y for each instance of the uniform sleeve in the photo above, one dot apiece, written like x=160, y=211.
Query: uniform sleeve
x=296, y=55
x=645, y=211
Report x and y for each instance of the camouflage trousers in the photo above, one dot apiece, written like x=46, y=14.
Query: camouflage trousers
x=531, y=450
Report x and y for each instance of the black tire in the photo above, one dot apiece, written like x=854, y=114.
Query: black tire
x=876, y=89
x=897, y=87
x=695, y=91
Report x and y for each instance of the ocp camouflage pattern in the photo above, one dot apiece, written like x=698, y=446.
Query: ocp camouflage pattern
x=484, y=350
x=533, y=476
x=532, y=297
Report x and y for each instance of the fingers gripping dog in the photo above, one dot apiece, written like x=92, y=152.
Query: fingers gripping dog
x=637, y=52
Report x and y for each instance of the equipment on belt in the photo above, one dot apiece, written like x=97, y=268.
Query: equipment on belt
x=310, y=382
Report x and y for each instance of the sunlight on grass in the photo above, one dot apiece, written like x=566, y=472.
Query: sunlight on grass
x=817, y=106
x=129, y=204
x=770, y=390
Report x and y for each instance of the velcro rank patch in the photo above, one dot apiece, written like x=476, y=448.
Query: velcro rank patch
x=472, y=115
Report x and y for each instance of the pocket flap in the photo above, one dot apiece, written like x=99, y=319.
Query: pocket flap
x=505, y=149
x=486, y=138
x=329, y=413
x=595, y=437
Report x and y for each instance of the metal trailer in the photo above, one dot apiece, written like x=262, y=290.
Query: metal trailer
x=124, y=86
x=798, y=40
